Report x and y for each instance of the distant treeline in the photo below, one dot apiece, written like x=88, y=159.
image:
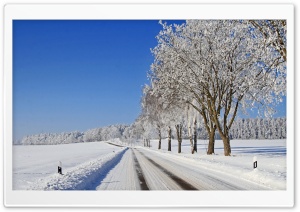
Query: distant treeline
x=97, y=134
x=257, y=128
x=250, y=128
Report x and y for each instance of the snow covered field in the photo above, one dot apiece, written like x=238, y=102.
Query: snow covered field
x=102, y=166
x=39, y=162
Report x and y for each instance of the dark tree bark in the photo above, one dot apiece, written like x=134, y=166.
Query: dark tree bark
x=179, y=147
x=208, y=124
x=179, y=136
x=195, y=135
x=227, y=148
x=224, y=127
x=211, y=143
x=191, y=140
x=159, y=138
x=169, y=138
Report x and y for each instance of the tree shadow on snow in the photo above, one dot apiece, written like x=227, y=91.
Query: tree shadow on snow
x=274, y=150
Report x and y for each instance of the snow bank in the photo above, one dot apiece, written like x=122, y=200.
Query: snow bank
x=37, y=164
x=84, y=177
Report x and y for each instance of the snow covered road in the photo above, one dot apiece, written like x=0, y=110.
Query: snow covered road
x=176, y=174
x=123, y=176
x=112, y=166
x=144, y=169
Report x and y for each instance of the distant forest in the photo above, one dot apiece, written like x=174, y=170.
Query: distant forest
x=257, y=128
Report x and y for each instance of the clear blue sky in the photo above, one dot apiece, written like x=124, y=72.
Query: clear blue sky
x=78, y=75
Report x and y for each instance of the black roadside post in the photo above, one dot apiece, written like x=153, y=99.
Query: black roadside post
x=59, y=167
x=254, y=162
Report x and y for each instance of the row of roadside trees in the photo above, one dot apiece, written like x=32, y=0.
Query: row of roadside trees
x=212, y=70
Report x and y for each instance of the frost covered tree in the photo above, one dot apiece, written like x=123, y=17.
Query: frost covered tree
x=223, y=66
x=167, y=123
x=192, y=119
x=162, y=114
x=92, y=135
x=173, y=74
x=274, y=33
x=152, y=109
x=179, y=121
x=112, y=131
x=178, y=128
x=138, y=131
x=171, y=117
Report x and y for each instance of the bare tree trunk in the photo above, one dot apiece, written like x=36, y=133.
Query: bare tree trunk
x=179, y=147
x=195, y=135
x=224, y=129
x=179, y=136
x=169, y=138
x=191, y=140
x=211, y=143
x=159, y=138
x=211, y=136
x=227, y=148
x=226, y=141
x=190, y=129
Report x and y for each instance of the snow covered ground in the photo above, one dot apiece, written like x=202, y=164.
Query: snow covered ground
x=35, y=166
x=102, y=166
x=270, y=154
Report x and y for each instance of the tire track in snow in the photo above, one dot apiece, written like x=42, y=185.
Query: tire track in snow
x=199, y=177
x=123, y=176
x=179, y=181
x=139, y=172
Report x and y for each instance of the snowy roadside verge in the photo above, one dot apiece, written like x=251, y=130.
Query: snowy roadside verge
x=230, y=167
x=86, y=176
